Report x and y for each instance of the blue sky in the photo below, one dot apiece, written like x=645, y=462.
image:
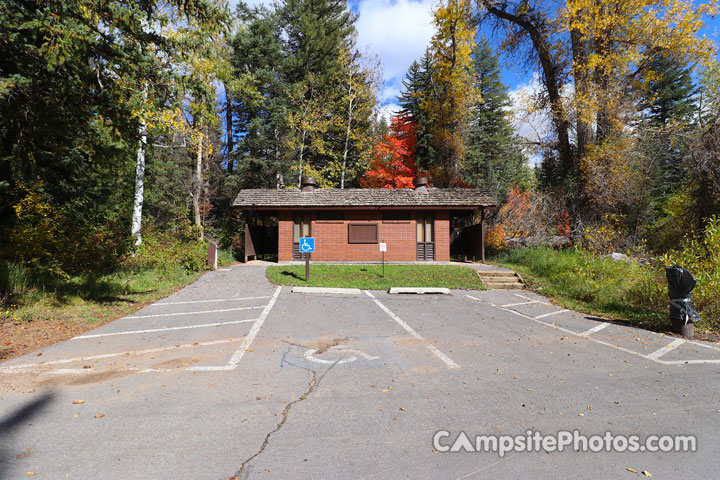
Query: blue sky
x=398, y=32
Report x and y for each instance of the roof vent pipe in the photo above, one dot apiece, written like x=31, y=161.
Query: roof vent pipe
x=308, y=184
x=420, y=184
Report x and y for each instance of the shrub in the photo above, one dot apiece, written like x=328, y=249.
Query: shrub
x=529, y=214
x=46, y=239
x=634, y=290
x=166, y=253
x=702, y=257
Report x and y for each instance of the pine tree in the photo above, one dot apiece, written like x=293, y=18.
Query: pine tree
x=494, y=159
x=417, y=85
x=670, y=91
x=315, y=35
x=259, y=98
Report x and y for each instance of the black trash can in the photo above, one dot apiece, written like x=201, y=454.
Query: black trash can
x=682, y=313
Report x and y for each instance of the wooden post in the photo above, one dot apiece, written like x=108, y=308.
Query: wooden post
x=482, y=233
x=212, y=255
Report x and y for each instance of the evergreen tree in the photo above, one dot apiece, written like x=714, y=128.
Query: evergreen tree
x=666, y=133
x=494, y=160
x=447, y=104
x=316, y=34
x=82, y=84
x=669, y=95
x=258, y=97
x=417, y=84
x=303, y=98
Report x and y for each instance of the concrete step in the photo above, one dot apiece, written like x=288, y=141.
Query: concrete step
x=496, y=274
x=511, y=286
x=502, y=284
x=501, y=280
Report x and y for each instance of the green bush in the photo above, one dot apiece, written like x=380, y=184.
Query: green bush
x=700, y=256
x=635, y=290
x=46, y=239
x=165, y=253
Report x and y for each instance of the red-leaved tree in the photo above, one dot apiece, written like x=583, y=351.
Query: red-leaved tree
x=393, y=163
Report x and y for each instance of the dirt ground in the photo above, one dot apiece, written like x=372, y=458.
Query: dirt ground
x=21, y=338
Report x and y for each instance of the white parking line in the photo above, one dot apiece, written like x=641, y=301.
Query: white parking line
x=662, y=351
x=195, y=313
x=520, y=303
x=523, y=296
x=167, y=329
x=247, y=341
x=594, y=329
x=14, y=368
x=447, y=360
x=659, y=352
x=550, y=314
x=206, y=301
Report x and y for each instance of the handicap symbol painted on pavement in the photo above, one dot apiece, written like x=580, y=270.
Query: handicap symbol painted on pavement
x=338, y=348
x=307, y=244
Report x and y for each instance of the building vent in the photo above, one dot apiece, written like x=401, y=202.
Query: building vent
x=308, y=184
x=420, y=184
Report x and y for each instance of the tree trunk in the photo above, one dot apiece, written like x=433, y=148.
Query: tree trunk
x=347, y=141
x=228, y=129
x=583, y=87
x=136, y=227
x=551, y=82
x=197, y=191
x=302, y=151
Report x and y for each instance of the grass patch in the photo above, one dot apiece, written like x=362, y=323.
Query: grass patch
x=369, y=276
x=40, y=309
x=590, y=284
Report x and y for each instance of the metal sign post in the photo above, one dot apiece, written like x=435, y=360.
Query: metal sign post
x=307, y=246
x=383, y=249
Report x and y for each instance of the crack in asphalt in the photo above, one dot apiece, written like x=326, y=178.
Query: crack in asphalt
x=313, y=385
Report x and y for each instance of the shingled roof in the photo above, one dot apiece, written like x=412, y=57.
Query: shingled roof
x=364, y=197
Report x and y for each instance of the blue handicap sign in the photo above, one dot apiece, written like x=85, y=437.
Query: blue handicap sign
x=307, y=244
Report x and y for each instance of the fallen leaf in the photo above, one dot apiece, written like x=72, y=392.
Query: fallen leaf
x=581, y=414
x=646, y=473
x=401, y=408
x=99, y=415
x=589, y=407
x=631, y=469
x=78, y=402
x=29, y=474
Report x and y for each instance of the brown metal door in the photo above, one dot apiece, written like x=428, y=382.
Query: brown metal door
x=425, y=236
x=301, y=228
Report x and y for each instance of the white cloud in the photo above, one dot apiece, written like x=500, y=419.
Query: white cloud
x=388, y=110
x=399, y=32
x=530, y=123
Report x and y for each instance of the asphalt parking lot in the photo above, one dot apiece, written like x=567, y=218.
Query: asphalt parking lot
x=234, y=377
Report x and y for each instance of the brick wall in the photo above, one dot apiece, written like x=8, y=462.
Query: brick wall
x=331, y=238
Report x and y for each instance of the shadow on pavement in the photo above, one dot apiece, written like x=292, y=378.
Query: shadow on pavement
x=15, y=420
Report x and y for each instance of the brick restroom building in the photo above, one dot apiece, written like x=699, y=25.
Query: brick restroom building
x=349, y=224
